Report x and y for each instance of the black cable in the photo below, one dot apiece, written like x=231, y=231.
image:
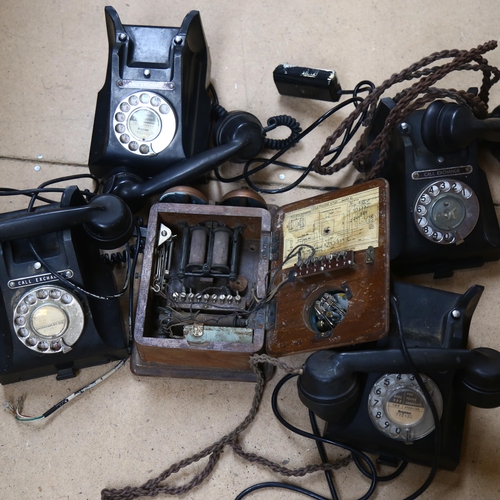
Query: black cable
x=363, y=86
x=357, y=455
x=428, y=398
x=300, y=432
x=322, y=454
x=269, y=161
x=334, y=152
x=72, y=177
x=29, y=192
x=291, y=254
x=34, y=193
x=4, y=191
x=285, y=486
x=387, y=478
x=62, y=179
x=215, y=97
x=75, y=287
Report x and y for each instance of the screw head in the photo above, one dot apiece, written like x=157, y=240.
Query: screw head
x=456, y=313
x=404, y=127
x=178, y=40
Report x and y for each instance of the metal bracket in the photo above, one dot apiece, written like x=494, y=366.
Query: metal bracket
x=265, y=317
x=269, y=246
x=270, y=322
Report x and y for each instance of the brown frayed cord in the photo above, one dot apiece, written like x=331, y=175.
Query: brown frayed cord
x=408, y=102
x=153, y=488
x=285, y=471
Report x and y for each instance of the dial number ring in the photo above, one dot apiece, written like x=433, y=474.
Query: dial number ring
x=398, y=409
x=144, y=123
x=48, y=319
x=451, y=211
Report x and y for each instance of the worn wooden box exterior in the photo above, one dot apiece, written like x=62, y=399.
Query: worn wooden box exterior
x=177, y=357
x=367, y=317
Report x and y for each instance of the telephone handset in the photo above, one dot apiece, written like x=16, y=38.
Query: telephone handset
x=47, y=326
x=371, y=401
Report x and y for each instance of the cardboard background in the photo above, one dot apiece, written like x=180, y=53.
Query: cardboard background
x=53, y=56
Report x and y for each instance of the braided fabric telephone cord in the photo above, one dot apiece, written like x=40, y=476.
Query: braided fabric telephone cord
x=409, y=101
x=153, y=487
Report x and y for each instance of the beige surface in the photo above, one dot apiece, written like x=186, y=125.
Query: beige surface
x=52, y=63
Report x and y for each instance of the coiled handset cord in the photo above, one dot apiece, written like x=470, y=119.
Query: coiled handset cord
x=274, y=122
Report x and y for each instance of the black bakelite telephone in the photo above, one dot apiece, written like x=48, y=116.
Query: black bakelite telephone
x=153, y=120
x=60, y=311
x=442, y=214
x=371, y=401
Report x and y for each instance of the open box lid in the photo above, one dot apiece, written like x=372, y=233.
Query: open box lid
x=339, y=295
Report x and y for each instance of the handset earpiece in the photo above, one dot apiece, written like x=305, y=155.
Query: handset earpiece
x=327, y=386
x=479, y=383
x=106, y=219
x=447, y=127
x=238, y=136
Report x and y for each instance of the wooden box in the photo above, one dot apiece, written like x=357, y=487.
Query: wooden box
x=241, y=280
